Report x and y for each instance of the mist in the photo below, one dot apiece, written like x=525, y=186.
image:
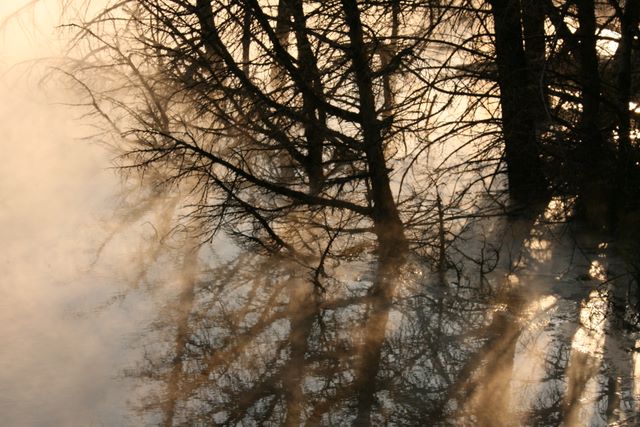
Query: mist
x=63, y=350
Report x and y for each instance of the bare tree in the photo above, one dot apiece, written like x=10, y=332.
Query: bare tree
x=303, y=129
x=285, y=123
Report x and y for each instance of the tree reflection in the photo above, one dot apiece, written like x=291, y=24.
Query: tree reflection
x=255, y=341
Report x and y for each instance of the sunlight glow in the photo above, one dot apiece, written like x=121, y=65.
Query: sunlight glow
x=607, y=44
x=539, y=249
x=558, y=209
x=636, y=374
x=533, y=347
x=587, y=354
x=538, y=307
x=593, y=322
x=597, y=271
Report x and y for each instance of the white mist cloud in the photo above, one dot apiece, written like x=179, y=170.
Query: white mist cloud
x=56, y=194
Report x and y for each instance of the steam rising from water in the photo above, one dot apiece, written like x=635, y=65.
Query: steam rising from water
x=57, y=365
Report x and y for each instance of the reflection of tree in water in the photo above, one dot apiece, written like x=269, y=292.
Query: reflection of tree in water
x=259, y=343
x=253, y=341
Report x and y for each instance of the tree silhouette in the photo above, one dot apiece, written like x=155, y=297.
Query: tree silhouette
x=305, y=130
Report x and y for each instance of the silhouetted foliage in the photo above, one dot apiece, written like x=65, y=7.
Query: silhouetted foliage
x=336, y=135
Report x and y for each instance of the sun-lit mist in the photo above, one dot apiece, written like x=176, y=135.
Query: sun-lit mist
x=59, y=356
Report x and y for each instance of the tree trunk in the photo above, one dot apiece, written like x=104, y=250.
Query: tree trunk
x=387, y=224
x=535, y=54
x=595, y=158
x=522, y=153
x=389, y=230
x=627, y=170
x=315, y=117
